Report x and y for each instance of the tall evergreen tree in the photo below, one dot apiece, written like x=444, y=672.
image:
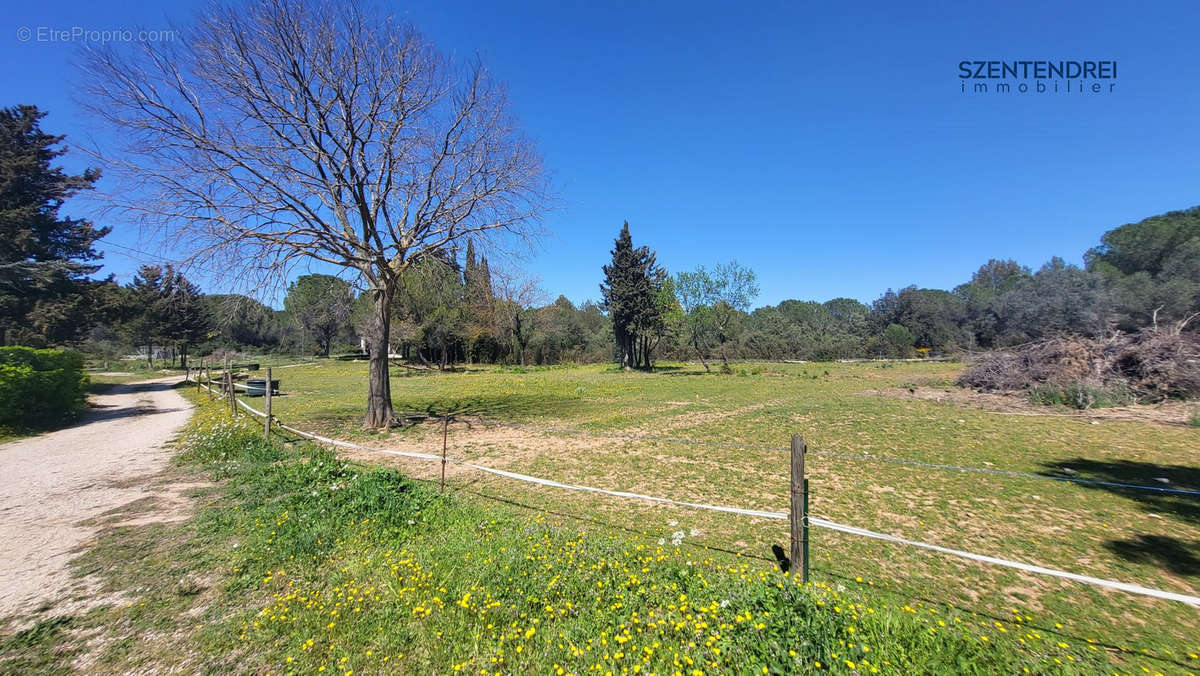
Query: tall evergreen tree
x=320, y=305
x=147, y=319
x=45, y=258
x=187, y=321
x=630, y=292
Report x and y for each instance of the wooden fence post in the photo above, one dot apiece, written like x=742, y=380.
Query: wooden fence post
x=799, y=511
x=208, y=381
x=232, y=392
x=445, y=422
x=267, y=407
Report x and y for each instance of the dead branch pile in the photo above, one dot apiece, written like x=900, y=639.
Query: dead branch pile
x=1151, y=365
x=1160, y=366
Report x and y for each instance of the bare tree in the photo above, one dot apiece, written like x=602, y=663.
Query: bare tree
x=283, y=130
x=517, y=293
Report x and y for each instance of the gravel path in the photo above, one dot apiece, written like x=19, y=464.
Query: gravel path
x=54, y=486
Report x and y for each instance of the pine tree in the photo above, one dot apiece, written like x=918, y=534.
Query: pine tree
x=146, y=312
x=187, y=321
x=45, y=258
x=164, y=308
x=320, y=305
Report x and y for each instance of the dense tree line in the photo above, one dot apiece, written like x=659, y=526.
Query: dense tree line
x=455, y=310
x=1143, y=275
x=451, y=307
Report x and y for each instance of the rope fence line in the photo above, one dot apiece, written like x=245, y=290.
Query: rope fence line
x=821, y=523
x=831, y=454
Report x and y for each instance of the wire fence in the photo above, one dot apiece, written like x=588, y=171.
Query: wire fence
x=762, y=514
x=830, y=454
x=486, y=422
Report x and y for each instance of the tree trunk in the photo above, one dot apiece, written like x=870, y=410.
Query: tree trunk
x=421, y=356
x=700, y=354
x=150, y=354
x=183, y=356
x=379, y=386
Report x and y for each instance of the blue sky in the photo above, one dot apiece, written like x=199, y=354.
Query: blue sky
x=825, y=145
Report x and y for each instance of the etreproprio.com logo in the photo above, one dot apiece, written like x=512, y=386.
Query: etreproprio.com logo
x=1037, y=77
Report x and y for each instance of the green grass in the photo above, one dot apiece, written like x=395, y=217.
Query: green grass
x=40, y=648
x=1143, y=538
x=1080, y=396
x=301, y=562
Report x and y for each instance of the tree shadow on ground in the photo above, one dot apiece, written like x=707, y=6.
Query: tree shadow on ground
x=1167, y=553
x=508, y=407
x=1178, y=556
x=1183, y=507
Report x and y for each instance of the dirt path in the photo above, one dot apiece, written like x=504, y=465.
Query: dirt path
x=54, y=487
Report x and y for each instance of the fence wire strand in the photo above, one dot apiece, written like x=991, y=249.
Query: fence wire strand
x=821, y=523
x=830, y=454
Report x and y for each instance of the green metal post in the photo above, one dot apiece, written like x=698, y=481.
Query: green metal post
x=806, y=530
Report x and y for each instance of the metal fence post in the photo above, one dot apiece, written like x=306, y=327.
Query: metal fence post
x=445, y=422
x=798, y=515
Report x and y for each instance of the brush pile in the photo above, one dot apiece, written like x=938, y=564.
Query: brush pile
x=1145, y=367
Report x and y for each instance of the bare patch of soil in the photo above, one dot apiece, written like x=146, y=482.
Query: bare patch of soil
x=1012, y=403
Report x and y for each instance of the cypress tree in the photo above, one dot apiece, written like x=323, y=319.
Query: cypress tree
x=630, y=295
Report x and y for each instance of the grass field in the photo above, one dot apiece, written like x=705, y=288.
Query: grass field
x=295, y=561
x=1131, y=536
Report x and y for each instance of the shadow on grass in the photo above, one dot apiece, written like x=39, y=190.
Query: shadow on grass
x=1184, y=508
x=1178, y=556
x=507, y=406
x=413, y=411
x=1168, y=553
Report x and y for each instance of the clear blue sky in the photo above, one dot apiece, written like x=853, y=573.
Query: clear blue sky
x=829, y=148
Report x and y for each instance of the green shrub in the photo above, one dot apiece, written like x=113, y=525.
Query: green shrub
x=40, y=387
x=1080, y=395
